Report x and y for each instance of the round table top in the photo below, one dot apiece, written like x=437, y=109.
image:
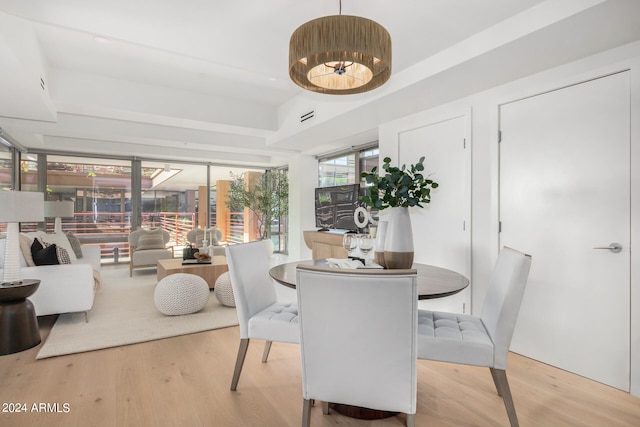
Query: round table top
x=433, y=282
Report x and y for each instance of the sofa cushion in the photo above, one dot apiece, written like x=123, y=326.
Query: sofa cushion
x=44, y=255
x=75, y=244
x=150, y=256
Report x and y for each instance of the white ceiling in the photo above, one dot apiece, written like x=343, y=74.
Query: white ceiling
x=208, y=80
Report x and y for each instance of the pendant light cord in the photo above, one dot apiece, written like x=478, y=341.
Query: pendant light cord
x=340, y=7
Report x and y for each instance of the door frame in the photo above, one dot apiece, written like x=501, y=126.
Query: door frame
x=389, y=145
x=516, y=160
x=507, y=95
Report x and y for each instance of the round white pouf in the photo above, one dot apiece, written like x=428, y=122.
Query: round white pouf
x=180, y=294
x=223, y=290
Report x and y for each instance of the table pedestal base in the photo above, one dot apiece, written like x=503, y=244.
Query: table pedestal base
x=18, y=327
x=361, y=413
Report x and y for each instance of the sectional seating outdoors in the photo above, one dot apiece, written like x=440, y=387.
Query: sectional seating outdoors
x=69, y=276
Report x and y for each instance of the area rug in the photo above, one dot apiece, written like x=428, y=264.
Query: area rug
x=124, y=313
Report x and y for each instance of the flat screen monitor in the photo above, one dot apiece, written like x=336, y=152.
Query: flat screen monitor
x=336, y=205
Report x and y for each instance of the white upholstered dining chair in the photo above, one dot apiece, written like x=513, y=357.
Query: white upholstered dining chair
x=260, y=315
x=481, y=341
x=358, y=338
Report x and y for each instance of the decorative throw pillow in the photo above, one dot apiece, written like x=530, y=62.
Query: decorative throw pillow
x=60, y=240
x=25, y=248
x=44, y=256
x=61, y=254
x=150, y=239
x=75, y=244
x=36, y=246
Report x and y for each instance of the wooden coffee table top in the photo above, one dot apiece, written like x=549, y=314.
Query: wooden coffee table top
x=176, y=263
x=209, y=272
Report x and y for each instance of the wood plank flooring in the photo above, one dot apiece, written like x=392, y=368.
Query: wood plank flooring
x=184, y=381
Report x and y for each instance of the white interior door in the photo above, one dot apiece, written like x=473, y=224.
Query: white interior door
x=442, y=230
x=565, y=189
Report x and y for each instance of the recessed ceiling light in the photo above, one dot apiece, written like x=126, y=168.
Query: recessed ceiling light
x=99, y=39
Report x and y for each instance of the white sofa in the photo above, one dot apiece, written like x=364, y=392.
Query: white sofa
x=64, y=288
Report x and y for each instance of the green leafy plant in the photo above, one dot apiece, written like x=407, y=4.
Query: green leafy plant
x=268, y=199
x=398, y=187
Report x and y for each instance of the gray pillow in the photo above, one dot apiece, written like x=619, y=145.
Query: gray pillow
x=75, y=244
x=150, y=240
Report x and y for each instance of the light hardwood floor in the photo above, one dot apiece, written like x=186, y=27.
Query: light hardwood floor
x=184, y=381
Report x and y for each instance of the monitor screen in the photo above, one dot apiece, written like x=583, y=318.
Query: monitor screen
x=336, y=205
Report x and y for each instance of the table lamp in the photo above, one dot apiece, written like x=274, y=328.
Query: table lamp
x=58, y=210
x=17, y=206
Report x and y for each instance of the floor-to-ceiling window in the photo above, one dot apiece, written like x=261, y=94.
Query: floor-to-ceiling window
x=174, y=197
x=345, y=168
x=368, y=159
x=29, y=172
x=6, y=168
x=337, y=170
x=101, y=192
x=6, y=173
x=278, y=232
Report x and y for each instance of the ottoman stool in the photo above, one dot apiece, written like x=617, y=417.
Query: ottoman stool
x=223, y=290
x=181, y=293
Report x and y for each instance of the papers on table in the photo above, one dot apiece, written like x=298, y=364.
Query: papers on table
x=351, y=263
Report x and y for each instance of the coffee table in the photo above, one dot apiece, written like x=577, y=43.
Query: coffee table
x=209, y=272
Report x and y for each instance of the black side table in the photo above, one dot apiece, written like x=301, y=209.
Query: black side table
x=18, y=322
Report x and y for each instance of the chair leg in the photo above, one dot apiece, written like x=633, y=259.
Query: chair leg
x=265, y=353
x=495, y=381
x=411, y=420
x=502, y=384
x=242, y=352
x=306, y=413
x=325, y=408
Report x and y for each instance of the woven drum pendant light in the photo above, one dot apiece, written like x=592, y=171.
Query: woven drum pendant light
x=340, y=55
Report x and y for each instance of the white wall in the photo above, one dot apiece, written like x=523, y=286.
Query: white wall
x=303, y=179
x=484, y=107
x=484, y=197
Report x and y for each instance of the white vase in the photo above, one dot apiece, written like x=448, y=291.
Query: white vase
x=378, y=247
x=398, y=244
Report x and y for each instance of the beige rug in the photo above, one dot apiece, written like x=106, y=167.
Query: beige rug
x=124, y=313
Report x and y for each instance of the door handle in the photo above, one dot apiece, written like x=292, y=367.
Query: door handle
x=613, y=247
